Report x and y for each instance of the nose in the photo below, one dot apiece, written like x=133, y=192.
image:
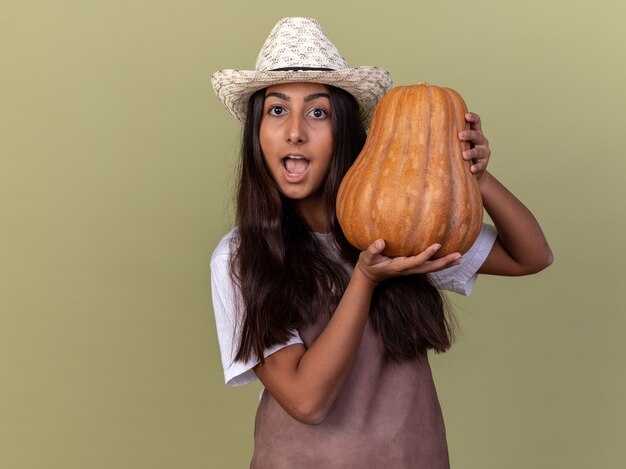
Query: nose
x=296, y=131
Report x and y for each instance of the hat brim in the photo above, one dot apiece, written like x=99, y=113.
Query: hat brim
x=366, y=84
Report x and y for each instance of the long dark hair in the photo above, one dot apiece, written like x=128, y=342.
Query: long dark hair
x=286, y=275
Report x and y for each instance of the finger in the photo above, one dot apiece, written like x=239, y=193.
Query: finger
x=474, y=136
x=473, y=154
x=480, y=156
x=374, y=249
x=437, y=264
x=427, y=253
x=477, y=164
x=477, y=168
x=474, y=120
x=402, y=264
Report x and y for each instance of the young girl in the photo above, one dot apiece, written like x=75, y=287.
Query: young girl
x=339, y=338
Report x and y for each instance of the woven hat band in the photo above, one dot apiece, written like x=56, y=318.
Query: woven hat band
x=302, y=69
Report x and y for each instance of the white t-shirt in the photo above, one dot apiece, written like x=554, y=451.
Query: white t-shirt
x=226, y=300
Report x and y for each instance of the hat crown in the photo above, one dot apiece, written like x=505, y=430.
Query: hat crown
x=299, y=43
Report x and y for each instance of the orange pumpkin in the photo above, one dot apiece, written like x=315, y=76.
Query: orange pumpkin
x=410, y=184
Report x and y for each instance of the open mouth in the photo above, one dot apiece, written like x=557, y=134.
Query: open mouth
x=295, y=165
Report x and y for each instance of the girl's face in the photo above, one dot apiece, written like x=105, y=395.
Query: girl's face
x=296, y=138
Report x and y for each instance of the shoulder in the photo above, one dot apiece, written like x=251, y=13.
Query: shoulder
x=221, y=261
x=462, y=278
x=223, y=251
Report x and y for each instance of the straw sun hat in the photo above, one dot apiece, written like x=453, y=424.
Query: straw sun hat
x=297, y=50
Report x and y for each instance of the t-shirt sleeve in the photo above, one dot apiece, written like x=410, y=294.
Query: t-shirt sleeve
x=462, y=278
x=227, y=310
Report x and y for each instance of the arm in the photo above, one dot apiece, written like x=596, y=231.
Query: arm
x=521, y=247
x=305, y=382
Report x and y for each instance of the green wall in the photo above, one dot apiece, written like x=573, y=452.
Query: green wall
x=116, y=172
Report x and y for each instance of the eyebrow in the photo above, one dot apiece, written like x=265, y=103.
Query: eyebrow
x=308, y=98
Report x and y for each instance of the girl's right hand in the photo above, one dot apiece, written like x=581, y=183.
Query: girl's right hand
x=377, y=267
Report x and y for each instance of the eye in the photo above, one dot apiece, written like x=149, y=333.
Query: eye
x=318, y=113
x=276, y=110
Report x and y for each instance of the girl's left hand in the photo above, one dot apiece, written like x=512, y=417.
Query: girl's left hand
x=479, y=152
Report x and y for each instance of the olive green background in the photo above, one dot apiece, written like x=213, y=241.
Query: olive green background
x=116, y=175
